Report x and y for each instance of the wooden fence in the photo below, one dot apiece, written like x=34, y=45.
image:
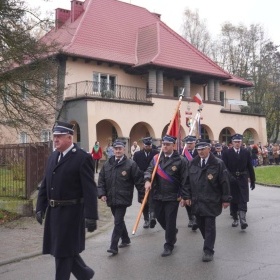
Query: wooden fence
x=22, y=168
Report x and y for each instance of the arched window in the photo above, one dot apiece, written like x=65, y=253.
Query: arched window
x=204, y=133
x=225, y=135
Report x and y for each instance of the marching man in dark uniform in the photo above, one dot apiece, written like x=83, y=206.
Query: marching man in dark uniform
x=239, y=164
x=208, y=191
x=168, y=187
x=68, y=200
x=218, y=150
x=115, y=187
x=143, y=159
x=190, y=152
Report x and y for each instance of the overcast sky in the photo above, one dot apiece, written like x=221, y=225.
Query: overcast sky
x=215, y=12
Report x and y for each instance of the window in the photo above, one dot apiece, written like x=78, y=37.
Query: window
x=226, y=135
x=204, y=133
x=103, y=82
x=222, y=97
x=23, y=137
x=46, y=135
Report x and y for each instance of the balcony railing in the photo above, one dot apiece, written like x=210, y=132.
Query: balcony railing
x=107, y=91
x=251, y=108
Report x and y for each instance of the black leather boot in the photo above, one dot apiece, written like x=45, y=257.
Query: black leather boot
x=194, y=225
x=152, y=220
x=242, y=217
x=235, y=220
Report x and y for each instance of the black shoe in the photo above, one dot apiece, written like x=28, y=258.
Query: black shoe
x=146, y=224
x=234, y=223
x=207, y=257
x=242, y=217
x=112, y=251
x=91, y=274
x=166, y=252
x=190, y=224
x=244, y=226
x=153, y=223
x=124, y=244
x=195, y=225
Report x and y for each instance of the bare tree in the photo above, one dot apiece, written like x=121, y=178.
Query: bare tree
x=28, y=69
x=195, y=31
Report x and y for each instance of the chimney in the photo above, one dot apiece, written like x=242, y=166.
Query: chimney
x=61, y=15
x=76, y=9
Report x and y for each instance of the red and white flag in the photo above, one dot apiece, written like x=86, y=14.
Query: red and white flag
x=197, y=98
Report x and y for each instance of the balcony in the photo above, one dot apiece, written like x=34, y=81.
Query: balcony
x=242, y=107
x=105, y=91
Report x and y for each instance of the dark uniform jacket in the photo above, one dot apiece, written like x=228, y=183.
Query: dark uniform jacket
x=176, y=168
x=240, y=169
x=70, y=178
x=142, y=160
x=116, y=181
x=208, y=187
x=215, y=153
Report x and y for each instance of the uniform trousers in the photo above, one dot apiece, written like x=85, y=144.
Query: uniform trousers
x=235, y=207
x=166, y=214
x=207, y=227
x=148, y=208
x=120, y=230
x=74, y=264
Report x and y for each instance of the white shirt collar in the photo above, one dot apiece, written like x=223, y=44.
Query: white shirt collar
x=67, y=150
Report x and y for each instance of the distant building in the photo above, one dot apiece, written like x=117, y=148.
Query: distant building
x=122, y=70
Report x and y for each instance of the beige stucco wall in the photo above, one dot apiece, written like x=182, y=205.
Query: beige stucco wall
x=95, y=118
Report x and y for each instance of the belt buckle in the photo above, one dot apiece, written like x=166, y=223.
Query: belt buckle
x=237, y=173
x=52, y=203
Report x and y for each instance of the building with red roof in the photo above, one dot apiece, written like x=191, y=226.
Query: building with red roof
x=122, y=70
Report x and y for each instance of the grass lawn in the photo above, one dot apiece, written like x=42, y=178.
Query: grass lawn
x=268, y=175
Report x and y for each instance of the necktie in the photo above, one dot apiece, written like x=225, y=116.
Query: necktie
x=60, y=157
x=203, y=163
x=237, y=151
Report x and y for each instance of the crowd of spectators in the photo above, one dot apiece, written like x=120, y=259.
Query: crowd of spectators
x=264, y=154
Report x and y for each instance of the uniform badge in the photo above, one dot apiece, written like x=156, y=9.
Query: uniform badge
x=210, y=176
x=74, y=150
x=174, y=168
x=124, y=173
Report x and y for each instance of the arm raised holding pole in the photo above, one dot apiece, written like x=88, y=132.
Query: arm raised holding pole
x=149, y=183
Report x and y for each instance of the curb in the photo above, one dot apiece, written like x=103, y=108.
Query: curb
x=268, y=185
x=38, y=253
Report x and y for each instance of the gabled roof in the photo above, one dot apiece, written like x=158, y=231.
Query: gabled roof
x=114, y=31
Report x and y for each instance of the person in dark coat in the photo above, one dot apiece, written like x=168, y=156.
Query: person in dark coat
x=115, y=187
x=68, y=200
x=239, y=164
x=143, y=158
x=218, y=151
x=190, y=152
x=167, y=189
x=208, y=191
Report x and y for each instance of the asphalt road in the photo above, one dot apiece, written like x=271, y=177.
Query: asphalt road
x=253, y=254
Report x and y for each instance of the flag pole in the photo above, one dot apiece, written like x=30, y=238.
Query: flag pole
x=156, y=166
x=196, y=119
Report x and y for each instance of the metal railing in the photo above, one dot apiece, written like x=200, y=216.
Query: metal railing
x=251, y=108
x=22, y=167
x=107, y=91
